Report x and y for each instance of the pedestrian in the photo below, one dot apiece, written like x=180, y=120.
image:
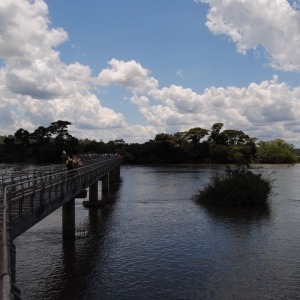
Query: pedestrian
x=70, y=164
x=63, y=156
x=79, y=163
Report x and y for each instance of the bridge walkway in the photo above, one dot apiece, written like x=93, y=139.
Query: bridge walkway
x=28, y=197
x=33, y=181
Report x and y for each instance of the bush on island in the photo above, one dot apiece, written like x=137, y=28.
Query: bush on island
x=236, y=187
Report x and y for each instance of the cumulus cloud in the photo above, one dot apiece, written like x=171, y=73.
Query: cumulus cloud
x=24, y=29
x=250, y=23
x=257, y=109
x=140, y=101
x=33, y=72
x=37, y=88
x=130, y=75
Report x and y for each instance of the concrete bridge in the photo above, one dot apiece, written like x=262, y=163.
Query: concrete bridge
x=28, y=197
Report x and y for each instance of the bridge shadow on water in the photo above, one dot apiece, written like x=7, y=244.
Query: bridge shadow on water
x=82, y=256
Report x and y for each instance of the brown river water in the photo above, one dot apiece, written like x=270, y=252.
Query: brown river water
x=153, y=242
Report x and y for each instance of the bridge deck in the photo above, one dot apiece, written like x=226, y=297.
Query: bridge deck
x=30, y=192
x=32, y=195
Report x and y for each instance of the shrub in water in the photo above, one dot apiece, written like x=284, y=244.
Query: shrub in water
x=236, y=187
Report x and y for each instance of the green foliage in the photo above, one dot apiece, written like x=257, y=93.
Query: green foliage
x=41, y=136
x=276, y=151
x=45, y=144
x=236, y=187
x=215, y=133
x=22, y=137
x=195, y=135
x=235, y=137
x=219, y=153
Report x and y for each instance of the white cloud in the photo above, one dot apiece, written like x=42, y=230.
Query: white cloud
x=179, y=73
x=130, y=75
x=140, y=101
x=257, y=109
x=24, y=29
x=33, y=72
x=249, y=23
x=37, y=88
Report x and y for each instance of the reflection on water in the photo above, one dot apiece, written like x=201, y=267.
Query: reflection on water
x=237, y=216
x=152, y=241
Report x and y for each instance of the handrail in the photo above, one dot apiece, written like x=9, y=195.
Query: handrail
x=9, y=178
x=5, y=274
x=37, y=186
x=12, y=174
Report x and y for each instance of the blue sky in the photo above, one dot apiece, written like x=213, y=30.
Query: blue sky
x=132, y=69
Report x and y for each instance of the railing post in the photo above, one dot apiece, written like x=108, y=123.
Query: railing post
x=42, y=193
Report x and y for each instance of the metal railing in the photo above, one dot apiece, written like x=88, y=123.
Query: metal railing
x=32, y=193
x=9, y=177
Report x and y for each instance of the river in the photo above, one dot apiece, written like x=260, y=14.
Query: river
x=153, y=242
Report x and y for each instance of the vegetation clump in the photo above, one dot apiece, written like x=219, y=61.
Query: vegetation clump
x=236, y=187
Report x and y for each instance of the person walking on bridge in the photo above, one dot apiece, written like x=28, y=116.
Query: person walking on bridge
x=70, y=164
x=79, y=163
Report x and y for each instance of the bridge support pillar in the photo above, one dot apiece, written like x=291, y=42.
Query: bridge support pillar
x=112, y=176
x=93, y=192
x=117, y=171
x=68, y=219
x=93, y=197
x=105, y=184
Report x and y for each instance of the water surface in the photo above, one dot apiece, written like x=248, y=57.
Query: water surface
x=153, y=242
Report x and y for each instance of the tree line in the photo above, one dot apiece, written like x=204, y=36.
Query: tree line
x=197, y=145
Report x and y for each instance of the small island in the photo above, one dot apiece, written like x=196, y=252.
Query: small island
x=236, y=187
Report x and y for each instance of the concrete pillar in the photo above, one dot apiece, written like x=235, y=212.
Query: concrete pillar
x=117, y=171
x=105, y=184
x=68, y=219
x=93, y=192
x=112, y=176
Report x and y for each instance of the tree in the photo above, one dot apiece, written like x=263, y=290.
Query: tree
x=9, y=142
x=60, y=130
x=195, y=135
x=71, y=144
x=22, y=137
x=215, y=137
x=276, y=151
x=41, y=136
x=235, y=137
x=119, y=143
x=219, y=153
x=165, y=147
x=180, y=137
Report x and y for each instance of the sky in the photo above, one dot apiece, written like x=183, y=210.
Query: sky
x=131, y=69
